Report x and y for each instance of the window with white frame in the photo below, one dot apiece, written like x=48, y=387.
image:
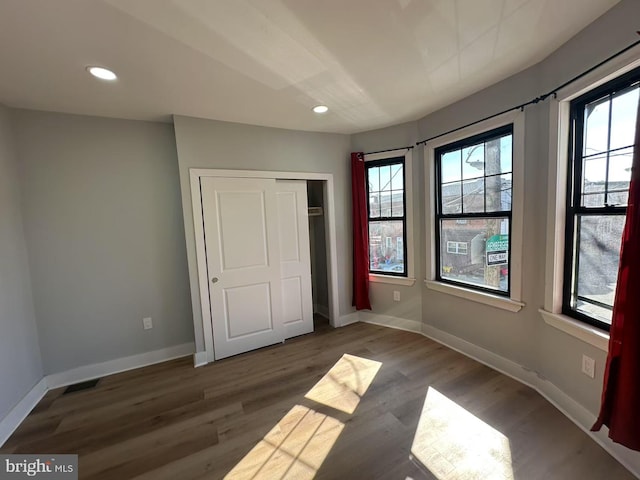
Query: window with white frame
x=390, y=216
x=601, y=139
x=476, y=199
x=458, y=248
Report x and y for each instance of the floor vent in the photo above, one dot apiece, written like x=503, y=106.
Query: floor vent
x=76, y=387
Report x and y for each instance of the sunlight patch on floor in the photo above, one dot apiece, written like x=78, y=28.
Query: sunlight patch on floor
x=295, y=448
x=344, y=385
x=452, y=443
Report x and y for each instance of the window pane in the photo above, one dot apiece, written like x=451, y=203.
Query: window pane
x=593, y=200
x=595, y=178
x=385, y=178
x=506, y=155
x=397, y=179
x=594, y=173
x=397, y=203
x=493, y=156
x=596, y=131
x=498, y=193
x=473, y=196
x=473, y=161
x=485, y=261
x=385, y=243
x=400, y=249
x=594, y=310
x=624, y=110
x=452, y=198
x=385, y=204
x=619, y=176
x=450, y=166
x=599, y=239
x=374, y=179
x=374, y=204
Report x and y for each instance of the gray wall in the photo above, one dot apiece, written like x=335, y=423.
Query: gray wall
x=101, y=207
x=20, y=365
x=213, y=144
x=522, y=337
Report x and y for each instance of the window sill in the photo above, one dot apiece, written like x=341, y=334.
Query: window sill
x=376, y=278
x=588, y=334
x=475, y=296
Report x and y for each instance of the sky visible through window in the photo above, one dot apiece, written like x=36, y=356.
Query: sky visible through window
x=624, y=108
x=450, y=161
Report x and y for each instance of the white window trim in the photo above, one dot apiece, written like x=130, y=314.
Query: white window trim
x=409, y=262
x=556, y=201
x=513, y=303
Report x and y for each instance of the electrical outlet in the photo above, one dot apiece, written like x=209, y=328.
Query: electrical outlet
x=588, y=366
x=396, y=296
x=147, y=323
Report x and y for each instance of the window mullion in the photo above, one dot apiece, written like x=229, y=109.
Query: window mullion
x=606, y=171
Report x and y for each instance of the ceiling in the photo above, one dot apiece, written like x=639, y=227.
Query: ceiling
x=267, y=62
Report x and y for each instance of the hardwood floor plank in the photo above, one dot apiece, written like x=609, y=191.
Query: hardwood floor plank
x=356, y=402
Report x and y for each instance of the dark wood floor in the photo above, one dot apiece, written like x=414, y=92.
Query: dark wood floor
x=396, y=406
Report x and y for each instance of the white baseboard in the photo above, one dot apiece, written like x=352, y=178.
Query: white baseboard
x=96, y=370
x=18, y=413
x=349, y=319
x=482, y=355
x=573, y=410
x=391, y=322
x=584, y=419
x=200, y=359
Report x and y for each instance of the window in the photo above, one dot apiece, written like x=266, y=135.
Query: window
x=559, y=306
x=475, y=195
x=602, y=129
x=458, y=248
x=473, y=207
x=387, y=216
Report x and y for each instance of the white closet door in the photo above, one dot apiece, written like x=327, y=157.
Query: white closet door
x=295, y=261
x=243, y=263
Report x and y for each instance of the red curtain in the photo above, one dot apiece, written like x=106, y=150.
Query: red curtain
x=360, y=234
x=620, y=408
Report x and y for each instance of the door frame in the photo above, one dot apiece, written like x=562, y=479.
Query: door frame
x=195, y=174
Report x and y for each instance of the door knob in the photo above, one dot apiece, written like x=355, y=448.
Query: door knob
x=214, y=280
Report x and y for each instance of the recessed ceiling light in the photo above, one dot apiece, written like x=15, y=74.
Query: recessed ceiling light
x=102, y=73
x=321, y=109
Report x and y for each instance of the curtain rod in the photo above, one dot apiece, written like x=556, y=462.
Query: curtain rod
x=408, y=147
x=541, y=98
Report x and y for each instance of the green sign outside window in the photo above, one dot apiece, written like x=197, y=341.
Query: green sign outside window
x=497, y=248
